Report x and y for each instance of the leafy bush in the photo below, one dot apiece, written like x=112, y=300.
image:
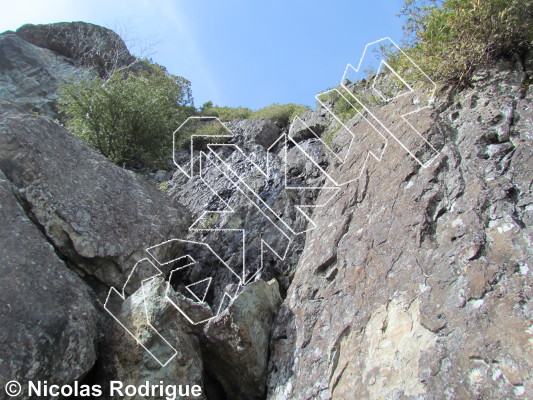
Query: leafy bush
x=164, y=186
x=130, y=117
x=449, y=39
x=281, y=113
x=225, y=113
x=345, y=107
x=202, y=127
x=212, y=129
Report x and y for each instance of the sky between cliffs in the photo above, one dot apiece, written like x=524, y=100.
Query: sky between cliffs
x=236, y=52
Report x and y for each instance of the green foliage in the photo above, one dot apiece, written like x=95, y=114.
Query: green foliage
x=281, y=113
x=328, y=136
x=202, y=127
x=342, y=110
x=328, y=96
x=224, y=113
x=449, y=39
x=212, y=129
x=210, y=221
x=164, y=186
x=345, y=110
x=130, y=117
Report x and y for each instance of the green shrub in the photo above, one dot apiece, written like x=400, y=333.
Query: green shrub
x=281, y=113
x=329, y=96
x=130, y=117
x=345, y=107
x=202, y=127
x=225, y=113
x=449, y=39
x=330, y=132
x=164, y=186
x=209, y=221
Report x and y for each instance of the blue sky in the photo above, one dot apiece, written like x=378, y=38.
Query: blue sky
x=236, y=52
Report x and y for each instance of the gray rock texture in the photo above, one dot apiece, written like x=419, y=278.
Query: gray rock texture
x=314, y=123
x=48, y=322
x=416, y=282
x=89, y=45
x=301, y=168
x=35, y=59
x=263, y=132
x=151, y=317
x=235, y=343
x=214, y=191
x=30, y=75
x=99, y=217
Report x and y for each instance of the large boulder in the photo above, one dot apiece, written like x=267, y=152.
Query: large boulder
x=88, y=44
x=166, y=347
x=263, y=132
x=310, y=124
x=30, y=75
x=100, y=218
x=300, y=166
x=47, y=317
x=416, y=282
x=236, y=341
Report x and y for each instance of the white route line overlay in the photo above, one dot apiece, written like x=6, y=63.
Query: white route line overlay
x=241, y=185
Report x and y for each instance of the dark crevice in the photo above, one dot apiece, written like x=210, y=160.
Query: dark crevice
x=481, y=252
x=432, y=214
x=410, y=176
x=440, y=213
x=326, y=264
x=91, y=378
x=213, y=389
x=335, y=356
x=26, y=207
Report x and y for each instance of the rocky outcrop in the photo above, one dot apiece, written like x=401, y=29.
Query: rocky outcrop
x=263, y=132
x=36, y=59
x=30, y=75
x=262, y=175
x=236, y=342
x=301, y=168
x=314, y=123
x=47, y=316
x=416, y=282
x=99, y=217
x=166, y=347
x=89, y=45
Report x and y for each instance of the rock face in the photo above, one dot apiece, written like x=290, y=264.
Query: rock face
x=99, y=217
x=47, y=317
x=265, y=190
x=164, y=334
x=29, y=75
x=236, y=341
x=88, y=44
x=416, y=282
x=35, y=59
x=314, y=123
x=263, y=132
